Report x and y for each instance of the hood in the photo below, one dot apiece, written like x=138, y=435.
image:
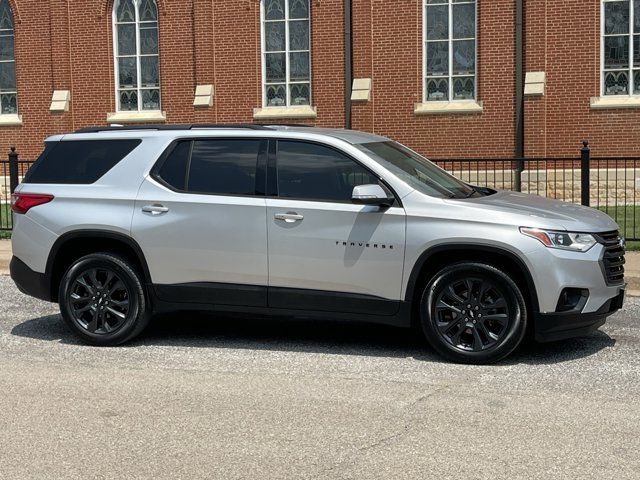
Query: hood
x=544, y=213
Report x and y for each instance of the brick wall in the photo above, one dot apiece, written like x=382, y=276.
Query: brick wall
x=563, y=38
x=62, y=44
x=388, y=48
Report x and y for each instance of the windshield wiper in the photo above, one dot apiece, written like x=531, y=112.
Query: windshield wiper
x=429, y=181
x=474, y=190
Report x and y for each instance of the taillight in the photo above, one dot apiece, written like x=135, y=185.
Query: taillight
x=23, y=202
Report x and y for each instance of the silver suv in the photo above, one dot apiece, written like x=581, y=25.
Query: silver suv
x=117, y=223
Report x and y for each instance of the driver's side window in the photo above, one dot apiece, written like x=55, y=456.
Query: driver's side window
x=308, y=171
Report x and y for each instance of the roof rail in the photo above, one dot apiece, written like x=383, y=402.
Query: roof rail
x=304, y=125
x=112, y=128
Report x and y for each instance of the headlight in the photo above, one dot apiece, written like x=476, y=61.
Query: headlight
x=577, y=242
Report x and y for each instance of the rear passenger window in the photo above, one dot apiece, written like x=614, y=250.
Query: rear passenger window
x=78, y=161
x=224, y=167
x=313, y=172
x=174, y=169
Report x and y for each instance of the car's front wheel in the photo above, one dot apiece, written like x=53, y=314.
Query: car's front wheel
x=102, y=299
x=473, y=313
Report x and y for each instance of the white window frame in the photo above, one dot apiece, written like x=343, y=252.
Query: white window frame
x=450, y=41
x=631, y=36
x=287, y=51
x=138, y=56
x=15, y=66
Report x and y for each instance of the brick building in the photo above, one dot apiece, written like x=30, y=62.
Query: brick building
x=451, y=78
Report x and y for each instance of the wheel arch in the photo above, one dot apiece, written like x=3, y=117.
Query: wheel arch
x=76, y=244
x=435, y=258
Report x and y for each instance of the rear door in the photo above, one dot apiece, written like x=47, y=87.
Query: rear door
x=200, y=219
x=325, y=252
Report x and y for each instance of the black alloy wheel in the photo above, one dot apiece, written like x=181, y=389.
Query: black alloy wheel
x=473, y=313
x=102, y=299
x=99, y=301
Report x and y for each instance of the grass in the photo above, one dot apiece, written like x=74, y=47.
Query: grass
x=5, y=215
x=628, y=217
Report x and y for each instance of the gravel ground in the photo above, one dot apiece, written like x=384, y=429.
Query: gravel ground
x=202, y=397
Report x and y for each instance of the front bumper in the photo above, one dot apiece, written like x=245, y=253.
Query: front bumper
x=550, y=327
x=554, y=270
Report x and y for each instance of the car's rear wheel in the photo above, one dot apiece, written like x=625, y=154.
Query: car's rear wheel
x=473, y=313
x=102, y=299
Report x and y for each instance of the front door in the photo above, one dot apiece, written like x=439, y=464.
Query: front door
x=200, y=220
x=325, y=252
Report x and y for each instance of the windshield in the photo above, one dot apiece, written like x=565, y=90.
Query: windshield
x=416, y=170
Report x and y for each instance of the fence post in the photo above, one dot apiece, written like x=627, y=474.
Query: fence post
x=517, y=179
x=585, y=159
x=13, y=169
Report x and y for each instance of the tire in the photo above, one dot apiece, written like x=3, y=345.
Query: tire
x=487, y=332
x=102, y=300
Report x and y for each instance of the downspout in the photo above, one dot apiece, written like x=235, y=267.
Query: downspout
x=519, y=130
x=348, y=63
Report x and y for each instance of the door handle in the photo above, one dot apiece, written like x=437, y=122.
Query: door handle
x=155, y=209
x=289, y=217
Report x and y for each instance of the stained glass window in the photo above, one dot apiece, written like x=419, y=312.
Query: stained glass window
x=135, y=27
x=8, y=93
x=449, y=50
x=621, y=47
x=286, y=53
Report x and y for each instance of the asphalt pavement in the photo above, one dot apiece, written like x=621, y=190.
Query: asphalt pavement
x=201, y=397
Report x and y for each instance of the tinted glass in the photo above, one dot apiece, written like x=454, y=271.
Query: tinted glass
x=80, y=162
x=313, y=172
x=224, y=167
x=416, y=170
x=174, y=169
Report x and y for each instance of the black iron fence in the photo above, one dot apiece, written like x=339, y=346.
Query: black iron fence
x=611, y=184
x=11, y=172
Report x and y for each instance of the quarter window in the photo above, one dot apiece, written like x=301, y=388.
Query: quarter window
x=309, y=171
x=621, y=47
x=286, y=53
x=135, y=33
x=8, y=93
x=449, y=50
x=78, y=161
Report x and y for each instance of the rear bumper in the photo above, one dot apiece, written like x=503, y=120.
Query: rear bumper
x=550, y=327
x=29, y=282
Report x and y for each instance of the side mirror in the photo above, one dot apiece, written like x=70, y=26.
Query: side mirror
x=371, y=195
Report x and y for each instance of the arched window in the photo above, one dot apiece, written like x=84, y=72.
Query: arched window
x=449, y=56
x=286, y=62
x=620, y=47
x=135, y=33
x=8, y=94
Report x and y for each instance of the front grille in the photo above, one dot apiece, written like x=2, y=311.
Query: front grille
x=613, y=259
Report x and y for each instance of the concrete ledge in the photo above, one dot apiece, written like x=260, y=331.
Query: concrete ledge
x=615, y=101
x=443, y=108
x=5, y=256
x=10, y=120
x=534, y=84
x=361, y=90
x=268, y=113
x=203, y=96
x=137, y=117
x=60, y=101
